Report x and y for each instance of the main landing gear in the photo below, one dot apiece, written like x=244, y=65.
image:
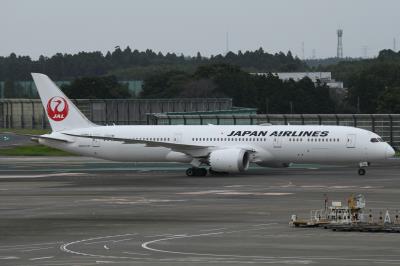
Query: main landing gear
x=362, y=170
x=194, y=171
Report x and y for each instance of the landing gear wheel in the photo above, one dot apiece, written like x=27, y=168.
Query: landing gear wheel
x=212, y=172
x=196, y=171
x=361, y=171
x=201, y=172
x=215, y=173
x=190, y=172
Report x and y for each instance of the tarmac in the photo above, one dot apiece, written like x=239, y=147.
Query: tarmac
x=8, y=140
x=83, y=211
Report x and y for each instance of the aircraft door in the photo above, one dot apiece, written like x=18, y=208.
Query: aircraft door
x=95, y=143
x=351, y=141
x=277, y=142
x=95, y=146
x=178, y=137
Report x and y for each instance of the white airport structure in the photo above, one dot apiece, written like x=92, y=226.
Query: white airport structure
x=322, y=77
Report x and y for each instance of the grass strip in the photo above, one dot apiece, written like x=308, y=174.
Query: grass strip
x=25, y=131
x=33, y=150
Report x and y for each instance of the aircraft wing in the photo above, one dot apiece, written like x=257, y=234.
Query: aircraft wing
x=193, y=150
x=190, y=149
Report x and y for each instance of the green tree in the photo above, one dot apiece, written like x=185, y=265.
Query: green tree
x=64, y=66
x=369, y=83
x=246, y=90
x=164, y=84
x=389, y=101
x=96, y=88
x=9, y=89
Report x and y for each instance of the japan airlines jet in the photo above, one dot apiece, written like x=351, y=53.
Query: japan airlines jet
x=227, y=148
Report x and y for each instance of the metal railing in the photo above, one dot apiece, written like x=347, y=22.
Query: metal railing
x=29, y=113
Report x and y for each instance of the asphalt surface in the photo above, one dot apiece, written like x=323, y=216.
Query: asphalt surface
x=79, y=211
x=8, y=140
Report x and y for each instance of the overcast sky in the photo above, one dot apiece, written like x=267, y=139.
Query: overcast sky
x=35, y=27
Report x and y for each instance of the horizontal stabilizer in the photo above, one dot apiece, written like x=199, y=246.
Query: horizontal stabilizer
x=48, y=137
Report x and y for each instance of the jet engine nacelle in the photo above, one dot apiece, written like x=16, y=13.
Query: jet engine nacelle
x=229, y=160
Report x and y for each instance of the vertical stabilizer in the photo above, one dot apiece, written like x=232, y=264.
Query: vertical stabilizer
x=61, y=112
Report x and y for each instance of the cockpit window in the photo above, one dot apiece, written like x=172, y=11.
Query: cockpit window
x=377, y=140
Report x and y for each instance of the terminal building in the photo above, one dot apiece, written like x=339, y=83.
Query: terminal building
x=316, y=77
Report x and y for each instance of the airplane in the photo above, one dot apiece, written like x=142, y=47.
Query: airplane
x=218, y=148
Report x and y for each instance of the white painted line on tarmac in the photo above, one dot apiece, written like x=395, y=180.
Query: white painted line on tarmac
x=159, y=235
x=42, y=175
x=239, y=186
x=277, y=193
x=313, y=186
x=34, y=249
x=42, y=258
x=66, y=246
x=290, y=184
x=127, y=201
x=97, y=242
x=215, y=229
x=205, y=192
x=342, y=187
x=127, y=239
x=146, y=245
x=235, y=193
x=135, y=253
x=27, y=245
x=268, y=224
x=8, y=258
x=286, y=259
x=107, y=241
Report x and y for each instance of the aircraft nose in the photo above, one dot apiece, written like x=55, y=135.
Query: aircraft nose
x=390, y=152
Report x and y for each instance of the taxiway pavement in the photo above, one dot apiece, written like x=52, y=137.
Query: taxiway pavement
x=81, y=211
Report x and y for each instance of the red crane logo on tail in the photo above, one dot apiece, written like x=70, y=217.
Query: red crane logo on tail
x=57, y=108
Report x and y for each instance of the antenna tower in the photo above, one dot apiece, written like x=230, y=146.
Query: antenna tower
x=227, y=43
x=339, y=43
x=365, y=51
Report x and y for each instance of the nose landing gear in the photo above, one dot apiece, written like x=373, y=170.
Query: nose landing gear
x=362, y=170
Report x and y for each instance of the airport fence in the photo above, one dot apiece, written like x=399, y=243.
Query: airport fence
x=385, y=125
x=29, y=113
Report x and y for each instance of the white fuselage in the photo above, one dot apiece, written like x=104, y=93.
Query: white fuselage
x=272, y=145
